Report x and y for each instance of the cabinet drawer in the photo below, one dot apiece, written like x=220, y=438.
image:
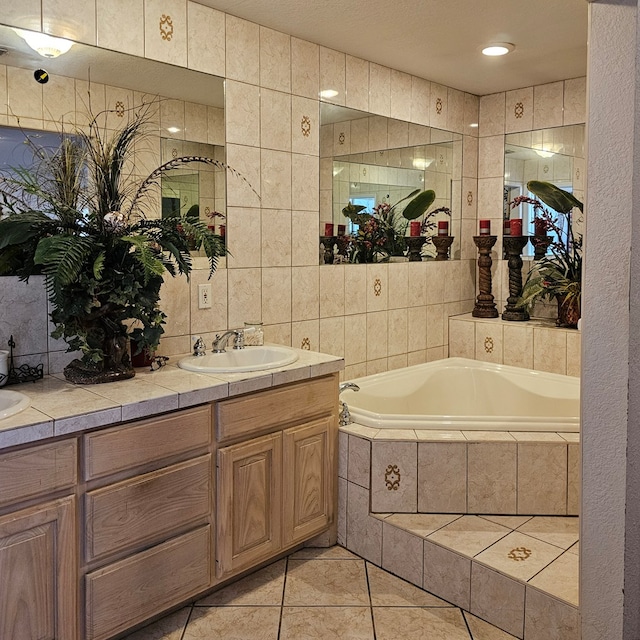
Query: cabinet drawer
x=38, y=470
x=249, y=415
x=143, y=508
x=132, y=590
x=146, y=441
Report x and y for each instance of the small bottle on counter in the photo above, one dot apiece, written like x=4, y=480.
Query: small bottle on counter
x=253, y=334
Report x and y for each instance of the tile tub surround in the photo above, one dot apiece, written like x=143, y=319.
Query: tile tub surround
x=59, y=408
x=518, y=572
x=319, y=594
x=537, y=344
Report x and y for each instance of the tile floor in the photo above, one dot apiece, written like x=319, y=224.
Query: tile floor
x=322, y=594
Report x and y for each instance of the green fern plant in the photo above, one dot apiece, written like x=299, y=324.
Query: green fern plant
x=82, y=222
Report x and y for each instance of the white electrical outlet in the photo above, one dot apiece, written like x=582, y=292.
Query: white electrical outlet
x=204, y=296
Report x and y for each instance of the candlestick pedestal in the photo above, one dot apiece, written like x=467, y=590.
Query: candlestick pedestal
x=485, y=306
x=328, y=243
x=415, y=245
x=540, y=246
x=513, y=246
x=442, y=244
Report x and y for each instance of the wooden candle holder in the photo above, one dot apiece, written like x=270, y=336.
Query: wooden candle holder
x=513, y=246
x=415, y=246
x=442, y=244
x=485, y=305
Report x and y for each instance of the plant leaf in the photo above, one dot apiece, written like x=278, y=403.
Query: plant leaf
x=558, y=199
x=419, y=204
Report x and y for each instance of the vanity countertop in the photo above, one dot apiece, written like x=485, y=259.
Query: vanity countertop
x=60, y=408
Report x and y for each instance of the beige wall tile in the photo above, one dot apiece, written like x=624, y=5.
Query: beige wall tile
x=72, y=19
x=518, y=345
x=275, y=59
x=400, y=89
x=397, y=362
x=27, y=15
x=547, y=618
x=397, y=134
x=245, y=160
x=492, y=115
x=276, y=238
x=575, y=97
x=332, y=336
x=420, y=100
x=359, y=135
x=245, y=296
x=242, y=50
x=469, y=158
x=435, y=325
x=492, y=477
x=278, y=333
x=461, y=338
x=332, y=290
x=393, y=464
x=491, y=157
x=215, y=126
x=417, y=329
x=332, y=74
x=377, y=328
x=451, y=289
x=547, y=105
x=206, y=42
x=542, y=463
x=359, y=461
x=364, y=533
x=304, y=293
x=471, y=114
x=455, y=109
x=276, y=295
x=398, y=333
x=377, y=366
x=305, y=68
x=304, y=126
x=377, y=286
x=275, y=179
x=357, y=83
x=402, y=553
x=304, y=238
x=59, y=102
x=120, y=26
x=355, y=287
x=497, y=599
x=275, y=120
x=417, y=284
x=379, y=89
x=355, y=338
x=488, y=205
x=174, y=300
x=573, y=353
x=519, y=110
x=448, y=574
x=442, y=477
x=306, y=335
x=435, y=282
x=196, y=122
x=244, y=237
x=550, y=350
x=25, y=97
x=438, y=106
x=165, y=31
x=242, y=113
x=304, y=182
x=398, y=285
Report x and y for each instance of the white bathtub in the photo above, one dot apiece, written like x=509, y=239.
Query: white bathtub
x=469, y=395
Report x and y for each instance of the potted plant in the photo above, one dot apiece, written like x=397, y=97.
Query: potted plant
x=381, y=233
x=79, y=219
x=558, y=274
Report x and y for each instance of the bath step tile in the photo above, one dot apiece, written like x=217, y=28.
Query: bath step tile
x=359, y=462
x=364, y=532
x=442, y=477
x=447, y=574
x=421, y=524
x=547, y=618
x=560, y=579
x=394, y=476
x=492, y=477
x=512, y=522
x=481, y=630
x=469, y=535
x=561, y=532
x=402, y=553
x=544, y=463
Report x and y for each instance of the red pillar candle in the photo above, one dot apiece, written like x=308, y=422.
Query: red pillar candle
x=222, y=230
x=414, y=229
x=540, y=226
x=443, y=227
x=342, y=229
x=515, y=227
x=485, y=227
x=506, y=227
x=328, y=229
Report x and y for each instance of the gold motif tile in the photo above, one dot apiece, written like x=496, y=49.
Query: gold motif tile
x=233, y=623
x=388, y=591
x=469, y=535
x=419, y=624
x=560, y=578
x=421, y=524
x=262, y=588
x=519, y=556
x=481, y=630
x=167, y=628
x=335, y=583
x=561, y=532
x=319, y=623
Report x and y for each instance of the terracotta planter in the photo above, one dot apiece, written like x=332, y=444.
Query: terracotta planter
x=568, y=311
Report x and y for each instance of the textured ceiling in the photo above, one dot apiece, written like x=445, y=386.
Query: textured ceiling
x=439, y=39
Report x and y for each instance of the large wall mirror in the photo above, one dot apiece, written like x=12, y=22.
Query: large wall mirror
x=187, y=116
x=553, y=155
x=369, y=160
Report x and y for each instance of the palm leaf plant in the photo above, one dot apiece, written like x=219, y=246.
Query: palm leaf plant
x=83, y=222
x=558, y=275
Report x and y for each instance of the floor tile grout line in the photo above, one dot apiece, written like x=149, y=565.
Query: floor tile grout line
x=464, y=617
x=186, y=622
x=284, y=586
x=366, y=575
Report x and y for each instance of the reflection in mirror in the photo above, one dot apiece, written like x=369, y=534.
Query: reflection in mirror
x=370, y=160
x=551, y=155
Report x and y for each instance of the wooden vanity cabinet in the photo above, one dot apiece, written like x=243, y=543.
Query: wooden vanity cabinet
x=38, y=549
x=275, y=490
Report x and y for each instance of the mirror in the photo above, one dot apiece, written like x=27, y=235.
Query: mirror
x=554, y=155
x=189, y=119
x=369, y=160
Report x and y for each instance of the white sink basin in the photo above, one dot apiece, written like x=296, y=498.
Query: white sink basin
x=12, y=402
x=240, y=360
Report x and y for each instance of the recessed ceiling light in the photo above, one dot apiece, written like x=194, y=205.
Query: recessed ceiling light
x=474, y=125
x=173, y=129
x=498, y=49
x=328, y=93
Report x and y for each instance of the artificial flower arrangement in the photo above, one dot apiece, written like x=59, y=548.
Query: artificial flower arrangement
x=80, y=220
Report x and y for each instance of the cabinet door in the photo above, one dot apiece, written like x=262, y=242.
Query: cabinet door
x=38, y=588
x=249, y=494
x=308, y=485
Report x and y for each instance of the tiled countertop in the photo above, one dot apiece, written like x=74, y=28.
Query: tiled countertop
x=60, y=408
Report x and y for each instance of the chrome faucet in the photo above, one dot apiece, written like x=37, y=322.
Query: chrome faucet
x=220, y=342
x=345, y=416
x=199, y=348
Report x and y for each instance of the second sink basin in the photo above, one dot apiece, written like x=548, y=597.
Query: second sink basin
x=240, y=360
x=12, y=402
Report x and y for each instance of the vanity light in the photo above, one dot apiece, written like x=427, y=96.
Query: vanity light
x=328, y=93
x=47, y=46
x=498, y=49
x=173, y=129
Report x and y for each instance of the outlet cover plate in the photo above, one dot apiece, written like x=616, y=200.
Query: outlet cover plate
x=204, y=296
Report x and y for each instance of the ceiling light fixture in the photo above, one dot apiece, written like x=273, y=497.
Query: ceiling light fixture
x=498, y=49
x=544, y=154
x=47, y=46
x=328, y=93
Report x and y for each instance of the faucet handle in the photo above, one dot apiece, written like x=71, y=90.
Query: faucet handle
x=238, y=342
x=199, y=347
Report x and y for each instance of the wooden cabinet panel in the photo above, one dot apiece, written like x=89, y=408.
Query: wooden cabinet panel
x=276, y=408
x=38, y=470
x=308, y=483
x=132, y=590
x=147, y=507
x=38, y=573
x=132, y=445
x=249, y=493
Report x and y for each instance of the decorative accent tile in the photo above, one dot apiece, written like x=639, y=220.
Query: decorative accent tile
x=519, y=554
x=306, y=344
x=469, y=198
x=377, y=287
x=392, y=477
x=488, y=344
x=518, y=110
x=438, y=105
x=166, y=27
x=305, y=126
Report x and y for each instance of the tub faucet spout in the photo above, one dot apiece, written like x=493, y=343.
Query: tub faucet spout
x=348, y=385
x=345, y=416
